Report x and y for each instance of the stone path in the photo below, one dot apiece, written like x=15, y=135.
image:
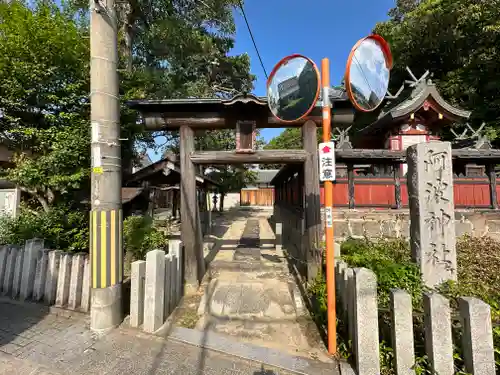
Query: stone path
x=35, y=340
x=252, y=296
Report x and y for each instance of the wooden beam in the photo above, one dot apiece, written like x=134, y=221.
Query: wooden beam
x=190, y=220
x=311, y=198
x=261, y=156
x=369, y=156
x=493, y=185
x=350, y=184
x=397, y=185
x=215, y=120
x=160, y=121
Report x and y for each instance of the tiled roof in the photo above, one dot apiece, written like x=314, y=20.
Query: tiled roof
x=264, y=176
x=129, y=193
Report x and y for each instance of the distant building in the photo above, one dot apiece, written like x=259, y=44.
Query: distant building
x=262, y=192
x=288, y=90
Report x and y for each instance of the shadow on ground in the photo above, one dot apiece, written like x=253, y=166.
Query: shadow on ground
x=17, y=329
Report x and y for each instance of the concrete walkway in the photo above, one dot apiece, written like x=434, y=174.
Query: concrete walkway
x=36, y=340
x=251, y=295
x=249, y=321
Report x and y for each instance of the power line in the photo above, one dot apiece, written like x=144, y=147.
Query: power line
x=253, y=40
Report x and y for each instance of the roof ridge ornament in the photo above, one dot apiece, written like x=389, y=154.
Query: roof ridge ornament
x=414, y=80
x=341, y=137
x=390, y=96
x=244, y=98
x=480, y=139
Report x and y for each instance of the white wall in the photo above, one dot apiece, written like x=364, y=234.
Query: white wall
x=230, y=200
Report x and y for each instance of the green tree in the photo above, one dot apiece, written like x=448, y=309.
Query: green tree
x=44, y=85
x=290, y=138
x=178, y=49
x=402, y=8
x=231, y=179
x=44, y=88
x=458, y=41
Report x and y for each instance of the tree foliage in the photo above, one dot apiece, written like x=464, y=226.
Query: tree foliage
x=290, y=138
x=458, y=41
x=178, y=49
x=43, y=99
x=230, y=178
x=167, y=49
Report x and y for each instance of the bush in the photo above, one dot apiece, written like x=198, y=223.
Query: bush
x=391, y=262
x=62, y=228
x=140, y=236
x=478, y=261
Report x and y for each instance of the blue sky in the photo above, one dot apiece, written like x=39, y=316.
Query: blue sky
x=327, y=28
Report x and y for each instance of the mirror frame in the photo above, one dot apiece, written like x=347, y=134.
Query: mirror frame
x=388, y=62
x=273, y=73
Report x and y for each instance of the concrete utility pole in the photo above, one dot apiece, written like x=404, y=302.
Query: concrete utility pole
x=106, y=215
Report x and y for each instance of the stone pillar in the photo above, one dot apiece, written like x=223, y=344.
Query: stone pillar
x=40, y=275
x=432, y=211
x=477, y=338
x=402, y=332
x=174, y=247
x=138, y=274
x=85, y=304
x=154, y=296
x=32, y=254
x=9, y=269
x=63, y=281
x=279, y=237
x=349, y=302
x=340, y=266
x=4, y=252
x=365, y=343
x=18, y=271
x=438, y=339
x=52, y=276
x=76, y=281
x=169, y=278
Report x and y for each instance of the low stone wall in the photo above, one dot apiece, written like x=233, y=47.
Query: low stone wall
x=374, y=223
x=396, y=223
x=156, y=287
x=50, y=276
x=292, y=230
x=358, y=307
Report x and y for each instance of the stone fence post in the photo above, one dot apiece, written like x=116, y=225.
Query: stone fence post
x=477, y=336
x=156, y=287
x=358, y=308
x=366, y=340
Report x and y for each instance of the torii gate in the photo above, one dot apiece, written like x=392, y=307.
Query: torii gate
x=244, y=113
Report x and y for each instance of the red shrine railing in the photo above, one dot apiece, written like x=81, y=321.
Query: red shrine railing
x=379, y=184
x=381, y=193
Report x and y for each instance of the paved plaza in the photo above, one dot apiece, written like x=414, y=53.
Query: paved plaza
x=247, y=320
x=36, y=340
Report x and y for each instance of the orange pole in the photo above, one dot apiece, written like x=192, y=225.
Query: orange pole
x=328, y=185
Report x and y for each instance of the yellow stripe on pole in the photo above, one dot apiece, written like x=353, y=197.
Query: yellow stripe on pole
x=94, y=252
x=103, y=249
x=112, y=233
x=120, y=245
